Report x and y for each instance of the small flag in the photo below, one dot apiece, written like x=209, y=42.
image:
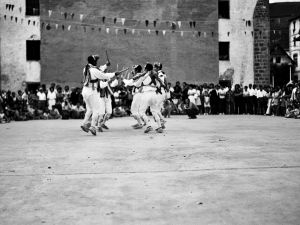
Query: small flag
x=123, y=21
x=245, y=33
x=81, y=17
x=69, y=27
x=115, y=20
x=133, y=30
x=181, y=33
x=147, y=22
x=56, y=26
x=50, y=13
x=164, y=32
x=107, y=30
x=179, y=24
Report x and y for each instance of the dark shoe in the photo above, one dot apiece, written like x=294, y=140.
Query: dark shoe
x=93, y=130
x=159, y=130
x=104, y=126
x=85, y=128
x=99, y=129
x=139, y=126
x=148, y=129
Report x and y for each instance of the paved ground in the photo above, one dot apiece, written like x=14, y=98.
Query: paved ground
x=213, y=170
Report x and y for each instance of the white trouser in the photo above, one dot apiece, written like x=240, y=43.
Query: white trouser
x=149, y=98
x=135, y=105
x=105, y=105
x=161, y=98
x=91, y=100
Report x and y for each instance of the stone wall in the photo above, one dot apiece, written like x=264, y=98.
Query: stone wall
x=188, y=58
x=15, y=29
x=261, y=23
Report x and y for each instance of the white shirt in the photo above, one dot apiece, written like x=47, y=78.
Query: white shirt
x=51, y=95
x=222, y=93
x=261, y=94
x=246, y=93
x=252, y=92
x=42, y=96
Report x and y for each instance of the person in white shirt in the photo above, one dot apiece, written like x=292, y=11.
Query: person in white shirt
x=91, y=75
x=261, y=107
x=246, y=100
x=41, y=99
x=222, y=100
x=51, y=98
x=294, y=94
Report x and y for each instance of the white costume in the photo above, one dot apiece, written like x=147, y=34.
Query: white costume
x=192, y=95
x=51, y=99
x=137, y=94
x=105, y=99
x=163, y=96
x=149, y=98
x=90, y=94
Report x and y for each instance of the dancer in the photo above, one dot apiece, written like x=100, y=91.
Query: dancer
x=150, y=82
x=162, y=93
x=91, y=75
x=136, y=92
x=105, y=102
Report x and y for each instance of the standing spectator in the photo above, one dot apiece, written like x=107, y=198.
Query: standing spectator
x=213, y=99
x=185, y=90
x=261, y=94
x=167, y=108
x=191, y=93
x=51, y=98
x=246, y=100
x=206, y=103
x=25, y=96
x=222, y=101
x=41, y=99
x=238, y=99
x=45, y=89
x=75, y=96
x=198, y=100
x=230, y=101
x=67, y=93
x=269, y=100
x=276, y=101
x=294, y=99
x=170, y=92
x=177, y=94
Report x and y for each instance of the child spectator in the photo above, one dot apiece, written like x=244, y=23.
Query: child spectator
x=167, y=108
x=3, y=117
x=296, y=112
x=206, y=103
x=66, y=110
x=289, y=112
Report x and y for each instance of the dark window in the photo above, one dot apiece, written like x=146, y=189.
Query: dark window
x=33, y=50
x=224, y=51
x=295, y=58
x=278, y=59
x=224, y=11
x=271, y=60
x=32, y=7
x=294, y=26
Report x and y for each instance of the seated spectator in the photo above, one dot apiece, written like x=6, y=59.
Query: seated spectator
x=66, y=109
x=191, y=109
x=3, y=117
x=18, y=116
x=78, y=112
x=54, y=114
x=119, y=112
x=75, y=96
x=289, y=112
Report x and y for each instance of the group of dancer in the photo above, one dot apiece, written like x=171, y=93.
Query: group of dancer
x=149, y=90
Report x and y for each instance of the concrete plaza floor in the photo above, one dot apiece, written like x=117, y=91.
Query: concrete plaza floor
x=213, y=170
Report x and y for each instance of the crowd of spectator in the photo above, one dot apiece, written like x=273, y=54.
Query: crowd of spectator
x=56, y=102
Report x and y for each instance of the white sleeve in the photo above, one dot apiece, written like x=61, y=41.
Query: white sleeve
x=100, y=75
x=103, y=68
x=103, y=84
x=139, y=82
x=114, y=83
x=128, y=82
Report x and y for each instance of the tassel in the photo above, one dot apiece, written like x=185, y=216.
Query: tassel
x=65, y=14
x=72, y=15
x=28, y=22
x=5, y=17
x=156, y=32
x=191, y=24
x=199, y=33
x=63, y=27
x=12, y=7
x=194, y=24
x=16, y=19
x=154, y=23
x=115, y=20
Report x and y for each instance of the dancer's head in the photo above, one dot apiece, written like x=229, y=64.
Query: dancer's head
x=92, y=59
x=137, y=68
x=148, y=67
x=157, y=66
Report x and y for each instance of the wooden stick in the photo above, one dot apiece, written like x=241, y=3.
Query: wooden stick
x=106, y=55
x=123, y=70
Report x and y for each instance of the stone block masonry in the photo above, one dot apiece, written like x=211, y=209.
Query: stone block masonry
x=261, y=25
